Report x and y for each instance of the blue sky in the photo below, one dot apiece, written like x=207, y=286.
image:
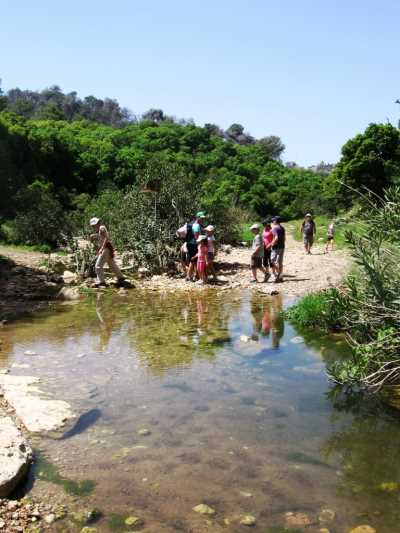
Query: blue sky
x=313, y=72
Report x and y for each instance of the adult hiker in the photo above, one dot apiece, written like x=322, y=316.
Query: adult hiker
x=257, y=254
x=267, y=240
x=277, y=248
x=308, y=230
x=105, y=254
x=330, y=236
x=195, y=229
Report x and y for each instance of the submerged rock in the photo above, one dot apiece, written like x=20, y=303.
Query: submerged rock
x=389, y=486
x=326, y=515
x=144, y=432
x=202, y=508
x=133, y=521
x=248, y=520
x=363, y=529
x=297, y=520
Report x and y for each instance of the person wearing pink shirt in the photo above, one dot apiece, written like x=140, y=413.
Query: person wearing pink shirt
x=267, y=240
x=202, y=258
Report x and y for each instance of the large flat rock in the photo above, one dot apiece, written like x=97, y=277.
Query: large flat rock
x=37, y=411
x=15, y=456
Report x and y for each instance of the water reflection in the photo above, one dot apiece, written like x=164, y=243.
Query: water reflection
x=267, y=318
x=235, y=404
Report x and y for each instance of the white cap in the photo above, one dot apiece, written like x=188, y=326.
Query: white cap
x=255, y=226
x=94, y=221
x=201, y=238
x=309, y=215
x=210, y=228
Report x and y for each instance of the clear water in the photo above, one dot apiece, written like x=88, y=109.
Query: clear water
x=236, y=404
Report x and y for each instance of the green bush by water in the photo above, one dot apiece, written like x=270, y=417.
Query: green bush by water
x=321, y=310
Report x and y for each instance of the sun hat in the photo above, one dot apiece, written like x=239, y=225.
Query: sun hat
x=210, y=228
x=255, y=226
x=309, y=215
x=201, y=214
x=276, y=219
x=94, y=221
x=201, y=239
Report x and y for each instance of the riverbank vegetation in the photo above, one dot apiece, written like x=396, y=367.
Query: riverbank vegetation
x=367, y=307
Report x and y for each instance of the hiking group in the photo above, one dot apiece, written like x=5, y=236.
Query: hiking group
x=198, y=252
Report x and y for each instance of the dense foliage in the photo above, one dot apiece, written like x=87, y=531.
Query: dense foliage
x=370, y=161
x=85, y=158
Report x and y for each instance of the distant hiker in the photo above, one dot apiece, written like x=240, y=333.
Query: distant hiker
x=105, y=254
x=257, y=254
x=308, y=230
x=202, y=258
x=197, y=229
x=188, y=250
x=330, y=236
x=267, y=240
x=212, y=250
x=278, y=248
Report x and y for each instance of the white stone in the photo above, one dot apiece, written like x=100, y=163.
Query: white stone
x=69, y=294
x=36, y=411
x=15, y=456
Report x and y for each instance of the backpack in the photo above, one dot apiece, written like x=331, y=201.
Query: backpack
x=185, y=232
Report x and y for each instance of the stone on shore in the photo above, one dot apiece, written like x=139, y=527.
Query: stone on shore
x=363, y=529
x=248, y=520
x=37, y=412
x=15, y=456
x=69, y=294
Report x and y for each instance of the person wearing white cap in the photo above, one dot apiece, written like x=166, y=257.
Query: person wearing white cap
x=257, y=254
x=308, y=230
x=105, y=254
x=212, y=250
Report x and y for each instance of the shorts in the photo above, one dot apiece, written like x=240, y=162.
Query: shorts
x=277, y=257
x=256, y=262
x=201, y=266
x=210, y=256
x=267, y=258
x=308, y=239
x=329, y=238
x=191, y=251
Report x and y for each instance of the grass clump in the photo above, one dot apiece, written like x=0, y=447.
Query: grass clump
x=322, y=310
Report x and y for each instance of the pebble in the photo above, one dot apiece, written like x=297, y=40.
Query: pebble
x=30, y=352
x=326, y=515
x=144, y=432
x=50, y=518
x=203, y=509
x=297, y=340
x=248, y=520
x=246, y=494
x=133, y=521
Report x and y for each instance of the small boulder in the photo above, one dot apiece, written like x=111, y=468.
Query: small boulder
x=326, y=515
x=363, y=529
x=248, y=520
x=69, y=277
x=202, y=508
x=144, y=432
x=297, y=520
x=133, y=521
x=69, y=294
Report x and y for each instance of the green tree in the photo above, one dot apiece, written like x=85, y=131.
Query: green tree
x=370, y=160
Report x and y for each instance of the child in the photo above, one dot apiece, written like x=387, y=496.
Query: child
x=202, y=258
x=308, y=230
x=330, y=237
x=212, y=250
x=257, y=254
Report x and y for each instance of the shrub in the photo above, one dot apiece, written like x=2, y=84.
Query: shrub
x=41, y=218
x=322, y=310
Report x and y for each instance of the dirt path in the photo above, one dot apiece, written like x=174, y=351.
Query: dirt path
x=302, y=273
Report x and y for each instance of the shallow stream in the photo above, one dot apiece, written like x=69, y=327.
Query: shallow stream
x=203, y=398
